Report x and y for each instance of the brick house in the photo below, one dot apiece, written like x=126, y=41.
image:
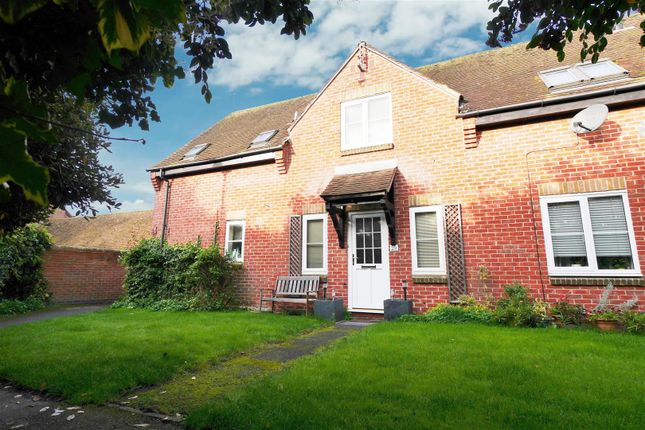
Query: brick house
x=460, y=176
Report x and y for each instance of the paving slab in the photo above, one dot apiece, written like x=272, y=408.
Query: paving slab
x=50, y=314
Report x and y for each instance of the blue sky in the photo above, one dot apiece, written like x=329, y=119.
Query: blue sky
x=268, y=67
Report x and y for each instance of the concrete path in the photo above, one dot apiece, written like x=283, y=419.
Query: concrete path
x=190, y=390
x=50, y=314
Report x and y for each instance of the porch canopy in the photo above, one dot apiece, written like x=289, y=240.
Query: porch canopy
x=360, y=189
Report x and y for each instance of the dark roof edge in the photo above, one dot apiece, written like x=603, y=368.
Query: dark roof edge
x=545, y=112
x=224, y=163
x=216, y=160
x=553, y=101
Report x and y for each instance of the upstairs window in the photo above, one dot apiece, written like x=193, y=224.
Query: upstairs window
x=314, y=244
x=427, y=237
x=589, y=234
x=234, y=246
x=194, y=151
x=366, y=122
x=582, y=74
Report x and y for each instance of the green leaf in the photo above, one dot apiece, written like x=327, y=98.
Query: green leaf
x=79, y=84
x=12, y=11
x=560, y=56
x=17, y=166
x=121, y=26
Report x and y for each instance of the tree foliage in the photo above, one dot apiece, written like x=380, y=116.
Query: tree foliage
x=77, y=178
x=558, y=20
x=109, y=53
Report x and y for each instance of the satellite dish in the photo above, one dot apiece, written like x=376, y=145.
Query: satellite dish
x=589, y=119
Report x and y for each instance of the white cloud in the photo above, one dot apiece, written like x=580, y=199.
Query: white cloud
x=426, y=29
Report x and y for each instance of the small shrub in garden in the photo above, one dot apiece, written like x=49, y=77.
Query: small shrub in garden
x=14, y=307
x=569, y=314
x=177, y=277
x=467, y=311
x=517, y=309
x=634, y=322
x=21, y=259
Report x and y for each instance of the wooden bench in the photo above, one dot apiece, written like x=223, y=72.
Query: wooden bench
x=293, y=289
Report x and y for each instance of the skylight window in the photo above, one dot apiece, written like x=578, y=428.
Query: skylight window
x=582, y=74
x=194, y=151
x=265, y=136
x=262, y=138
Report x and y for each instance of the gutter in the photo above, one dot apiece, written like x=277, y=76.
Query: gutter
x=228, y=160
x=559, y=105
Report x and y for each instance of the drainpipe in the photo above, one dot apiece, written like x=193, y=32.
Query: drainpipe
x=164, y=224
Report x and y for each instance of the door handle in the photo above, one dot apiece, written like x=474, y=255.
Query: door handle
x=353, y=260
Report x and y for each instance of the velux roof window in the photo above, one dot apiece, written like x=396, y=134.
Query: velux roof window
x=194, y=151
x=582, y=74
x=261, y=139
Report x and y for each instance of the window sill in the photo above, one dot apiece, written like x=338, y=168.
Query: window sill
x=429, y=279
x=597, y=281
x=366, y=149
x=314, y=273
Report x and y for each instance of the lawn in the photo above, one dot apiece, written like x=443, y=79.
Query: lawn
x=96, y=357
x=423, y=375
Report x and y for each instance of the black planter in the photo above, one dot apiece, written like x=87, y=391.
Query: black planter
x=394, y=308
x=331, y=310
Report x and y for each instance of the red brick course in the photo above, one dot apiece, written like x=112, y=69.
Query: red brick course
x=76, y=275
x=489, y=180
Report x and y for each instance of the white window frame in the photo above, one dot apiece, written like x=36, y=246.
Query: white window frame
x=441, y=270
x=592, y=269
x=305, y=269
x=226, y=240
x=344, y=146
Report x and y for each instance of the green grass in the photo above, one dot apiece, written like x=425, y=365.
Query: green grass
x=418, y=376
x=96, y=357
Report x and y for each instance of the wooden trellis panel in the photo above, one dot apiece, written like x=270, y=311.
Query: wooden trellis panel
x=295, y=245
x=455, y=263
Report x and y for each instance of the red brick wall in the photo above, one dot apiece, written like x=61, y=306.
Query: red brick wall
x=489, y=181
x=83, y=275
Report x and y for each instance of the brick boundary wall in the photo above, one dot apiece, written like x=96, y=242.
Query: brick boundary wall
x=79, y=275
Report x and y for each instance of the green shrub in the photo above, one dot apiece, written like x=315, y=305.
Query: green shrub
x=13, y=307
x=517, y=309
x=569, y=314
x=471, y=312
x=177, y=277
x=21, y=259
x=634, y=322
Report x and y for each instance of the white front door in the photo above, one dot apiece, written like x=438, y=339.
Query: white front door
x=369, y=269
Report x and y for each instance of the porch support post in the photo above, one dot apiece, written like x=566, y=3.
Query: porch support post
x=388, y=210
x=338, y=217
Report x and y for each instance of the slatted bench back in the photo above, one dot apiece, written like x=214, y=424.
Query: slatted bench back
x=297, y=285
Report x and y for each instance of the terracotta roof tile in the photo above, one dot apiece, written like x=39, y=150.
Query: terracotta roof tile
x=488, y=79
x=116, y=231
x=233, y=134
x=507, y=76
x=359, y=183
